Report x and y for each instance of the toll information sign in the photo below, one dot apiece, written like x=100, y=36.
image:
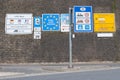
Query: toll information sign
x=104, y=22
x=50, y=22
x=18, y=23
x=83, y=19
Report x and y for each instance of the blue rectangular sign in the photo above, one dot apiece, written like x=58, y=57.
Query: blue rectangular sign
x=50, y=22
x=83, y=19
x=37, y=21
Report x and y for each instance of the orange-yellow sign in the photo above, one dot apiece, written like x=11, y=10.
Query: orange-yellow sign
x=104, y=22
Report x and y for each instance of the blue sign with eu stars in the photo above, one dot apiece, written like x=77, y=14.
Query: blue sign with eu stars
x=37, y=21
x=83, y=19
x=50, y=22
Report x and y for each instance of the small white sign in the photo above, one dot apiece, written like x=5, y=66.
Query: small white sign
x=37, y=32
x=37, y=35
x=104, y=34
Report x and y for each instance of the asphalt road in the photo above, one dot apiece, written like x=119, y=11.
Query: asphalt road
x=113, y=74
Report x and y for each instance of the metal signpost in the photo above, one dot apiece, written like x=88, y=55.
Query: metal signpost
x=70, y=39
x=83, y=19
x=82, y=23
x=50, y=22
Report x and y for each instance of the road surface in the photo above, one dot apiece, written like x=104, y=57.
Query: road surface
x=112, y=74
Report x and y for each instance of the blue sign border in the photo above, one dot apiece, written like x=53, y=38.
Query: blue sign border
x=50, y=26
x=87, y=9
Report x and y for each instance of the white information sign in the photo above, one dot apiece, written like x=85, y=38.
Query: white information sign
x=104, y=34
x=37, y=35
x=18, y=24
x=65, y=23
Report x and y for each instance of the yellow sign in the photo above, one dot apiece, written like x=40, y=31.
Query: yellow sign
x=104, y=22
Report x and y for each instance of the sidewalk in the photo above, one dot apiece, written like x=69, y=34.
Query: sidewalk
x=3, y=74
x=7, y=70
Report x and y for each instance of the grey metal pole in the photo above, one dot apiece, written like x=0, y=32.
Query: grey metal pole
x=70, y=39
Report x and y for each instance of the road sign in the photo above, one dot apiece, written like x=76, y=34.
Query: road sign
x=37, y=21
x=104, y=34
x=37, y=27
x=83, y=19
x=37, y=35
x=50, y=22
x=18, y=23
x=65, y=23
x=104, y=22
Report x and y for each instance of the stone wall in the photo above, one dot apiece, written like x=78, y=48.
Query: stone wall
x=54, y=46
